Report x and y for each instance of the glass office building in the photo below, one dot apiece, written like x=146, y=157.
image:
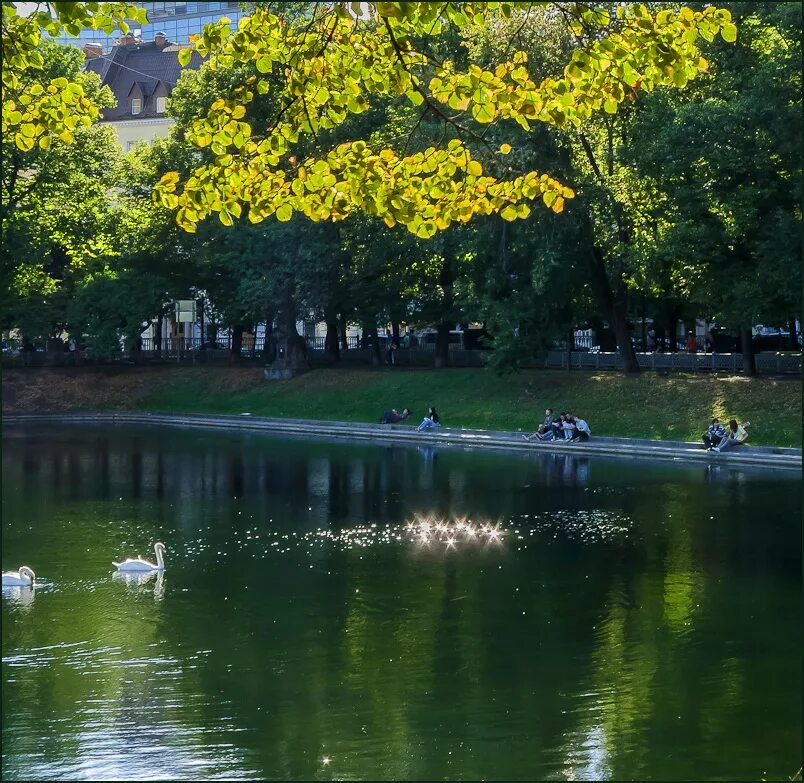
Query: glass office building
x=177, y=20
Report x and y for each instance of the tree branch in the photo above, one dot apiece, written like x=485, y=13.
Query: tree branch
x=591, y=156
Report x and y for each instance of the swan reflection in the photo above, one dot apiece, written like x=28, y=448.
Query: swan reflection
x=19, y=597
x=137, y=580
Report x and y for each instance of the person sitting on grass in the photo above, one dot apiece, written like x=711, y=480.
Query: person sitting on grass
x=735, y=435
x=714, y=434
x=558, y=426
x=545, y=431
x=582, y=431
x=392, y=417
x=568, y=426
x=430, y=421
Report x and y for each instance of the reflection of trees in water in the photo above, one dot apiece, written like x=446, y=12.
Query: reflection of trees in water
x=381, y=484
x=382, y=650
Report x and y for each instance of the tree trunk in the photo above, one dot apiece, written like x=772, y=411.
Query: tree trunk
x=442, y=345
x=374, y=337
x=344, y=338
x=291, y=345
x=749, y=360
x=644, y=341
x=791, y=325
x=269, y=346
x=446, y=279
x=158, y=337
x=237, y=340
x=331, y=340
x=613, y=304
x=620, y=328
x=570, y=347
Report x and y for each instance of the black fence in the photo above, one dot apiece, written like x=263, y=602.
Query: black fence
x=186, y=351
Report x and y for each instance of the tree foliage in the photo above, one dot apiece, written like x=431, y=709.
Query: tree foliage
x=58, y=219
x=340, y=59
x=725, y=159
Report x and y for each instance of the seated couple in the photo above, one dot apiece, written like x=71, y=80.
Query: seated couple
x=564, y=428
x=430, y=420
x=718, y=438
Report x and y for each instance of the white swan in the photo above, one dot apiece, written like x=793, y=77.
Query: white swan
x=25, y=577
x=139, y=564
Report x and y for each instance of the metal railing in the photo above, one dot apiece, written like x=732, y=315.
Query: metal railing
x=684, y=362
x=319, y=343
x=189, y=350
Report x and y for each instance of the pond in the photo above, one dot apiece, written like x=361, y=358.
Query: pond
x=346, y=611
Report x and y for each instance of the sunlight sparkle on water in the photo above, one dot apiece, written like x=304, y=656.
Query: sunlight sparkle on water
x=432, y=534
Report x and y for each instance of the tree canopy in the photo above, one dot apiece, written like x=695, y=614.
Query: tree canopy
x=344, y=55
x=419, y=139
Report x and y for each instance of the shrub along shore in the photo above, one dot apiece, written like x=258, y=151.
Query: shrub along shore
x=652, y=405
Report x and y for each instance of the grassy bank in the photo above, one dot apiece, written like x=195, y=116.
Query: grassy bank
x=672, y=406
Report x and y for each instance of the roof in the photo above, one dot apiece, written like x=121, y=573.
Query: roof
x=146, y=64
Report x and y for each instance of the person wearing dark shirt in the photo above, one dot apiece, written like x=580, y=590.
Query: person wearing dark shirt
x=430, y=421
x=714, y=434
x=546, y=430
x=392, y=417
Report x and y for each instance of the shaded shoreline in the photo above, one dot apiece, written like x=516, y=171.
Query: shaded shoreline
x=624, y=448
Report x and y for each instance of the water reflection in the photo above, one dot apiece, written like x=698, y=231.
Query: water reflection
x=134, y=581
x=20, y=598
x=397, y=613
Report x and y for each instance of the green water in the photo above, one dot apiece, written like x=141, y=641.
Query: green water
x=340, y=611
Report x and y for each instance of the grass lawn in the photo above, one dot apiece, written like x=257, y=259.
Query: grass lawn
x=672, y=406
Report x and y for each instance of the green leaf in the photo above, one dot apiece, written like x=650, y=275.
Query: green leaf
x=729, y=33
x=482, y=113
x=284, y=213
x=474, y=168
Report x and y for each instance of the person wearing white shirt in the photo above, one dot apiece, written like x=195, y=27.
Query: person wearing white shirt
x=735, y=435
x=582, y=430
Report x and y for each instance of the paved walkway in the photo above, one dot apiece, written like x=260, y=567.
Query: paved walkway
x=759, y=456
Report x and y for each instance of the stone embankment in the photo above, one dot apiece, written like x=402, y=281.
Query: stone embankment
x=630, y=448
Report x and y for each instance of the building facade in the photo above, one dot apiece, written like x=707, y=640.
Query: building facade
x=177, y=20
x=141, y=75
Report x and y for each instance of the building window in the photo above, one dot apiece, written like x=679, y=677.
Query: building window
x=160, y=104
x=130, y=145
x=136, y=105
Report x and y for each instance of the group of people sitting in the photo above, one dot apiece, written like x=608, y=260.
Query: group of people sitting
x=568, y=428
x=718, y=438
x=430, y=420
x=565, y=428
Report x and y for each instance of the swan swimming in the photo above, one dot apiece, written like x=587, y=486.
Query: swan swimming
x=25, y=577
x=139, y=564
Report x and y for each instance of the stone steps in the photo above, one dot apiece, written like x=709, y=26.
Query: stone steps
x=759, y=456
